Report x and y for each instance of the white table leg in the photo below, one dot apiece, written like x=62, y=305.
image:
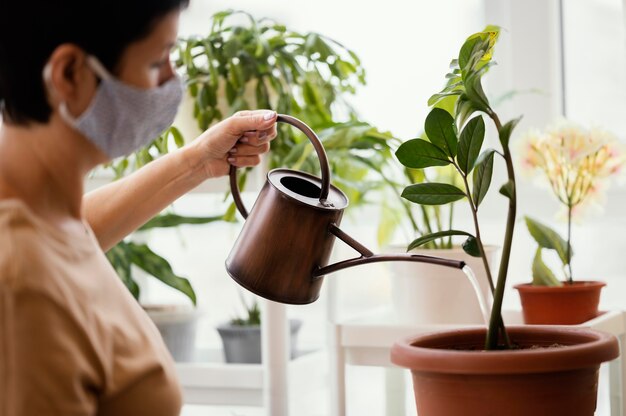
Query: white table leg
x=275, y=356
x=395, y=397
x=336, y=358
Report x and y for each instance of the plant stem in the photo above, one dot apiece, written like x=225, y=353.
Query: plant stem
x=450, y=218
x=479, y=241
x=496, y=323
x=570, y=277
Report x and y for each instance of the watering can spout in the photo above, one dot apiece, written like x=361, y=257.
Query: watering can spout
x=367, y=256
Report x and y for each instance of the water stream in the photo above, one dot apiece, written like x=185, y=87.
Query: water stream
x=485, y=303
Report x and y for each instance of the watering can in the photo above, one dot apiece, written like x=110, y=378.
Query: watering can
x=283, y=249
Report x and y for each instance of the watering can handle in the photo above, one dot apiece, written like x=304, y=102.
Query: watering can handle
x=321, y=155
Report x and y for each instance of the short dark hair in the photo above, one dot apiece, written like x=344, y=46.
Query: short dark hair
x=30, y=30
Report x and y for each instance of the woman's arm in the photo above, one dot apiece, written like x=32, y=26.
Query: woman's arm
x=119, y=208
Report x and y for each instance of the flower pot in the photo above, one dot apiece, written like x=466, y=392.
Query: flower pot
x=419, y=290
x=554, y=371
x=242, y=344
x=569, y=304
x=177, y=326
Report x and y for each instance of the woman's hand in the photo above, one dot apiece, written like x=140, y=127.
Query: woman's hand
x=239, y=140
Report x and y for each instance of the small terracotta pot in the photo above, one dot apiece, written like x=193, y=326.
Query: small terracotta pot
x=453, y=376
x=569, y=304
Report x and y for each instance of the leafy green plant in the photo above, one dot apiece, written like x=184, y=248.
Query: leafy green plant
x=456, y=140
x=253, y=314
x=128, y=253
x=244, y=63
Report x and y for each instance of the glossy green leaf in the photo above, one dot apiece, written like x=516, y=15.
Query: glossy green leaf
x=482, y=176
x=432, y=193
x=542, y=275
x=467, y=50
x=143, y=257
x=418, y=154
x=507, y=189
x=434, y=236
x=439, y=127
x=470, y=143
x=178, y=137
x=435, y=98
x=121, y=263
x=507, y=130
x=174, y=220
x=547, y=238
x=470, y=246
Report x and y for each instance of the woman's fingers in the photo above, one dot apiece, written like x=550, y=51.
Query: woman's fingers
x=249, y=150
x=258, y=137
x=244, y=121
x=243, y=161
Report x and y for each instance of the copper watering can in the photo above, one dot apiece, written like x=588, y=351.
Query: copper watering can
x=283, y=249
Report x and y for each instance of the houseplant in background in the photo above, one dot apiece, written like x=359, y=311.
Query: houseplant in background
x=132, y=258
x=495, y=370
x=243, y=63
x=577, y=163
x=241, y=337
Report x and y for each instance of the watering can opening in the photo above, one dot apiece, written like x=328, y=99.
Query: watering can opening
x=301, y=186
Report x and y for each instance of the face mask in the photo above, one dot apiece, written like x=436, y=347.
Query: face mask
x=121, y=118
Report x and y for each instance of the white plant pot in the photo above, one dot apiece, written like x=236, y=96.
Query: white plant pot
x=428, y=294
x=177, y=325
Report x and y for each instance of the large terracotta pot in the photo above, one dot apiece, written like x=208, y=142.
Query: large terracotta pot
x=569, y=304
x=554, y=372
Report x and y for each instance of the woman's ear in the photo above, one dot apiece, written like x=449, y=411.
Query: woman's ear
x=69, y=79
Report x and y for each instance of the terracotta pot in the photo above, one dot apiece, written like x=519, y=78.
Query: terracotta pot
x=453, y=376
x=569, y=304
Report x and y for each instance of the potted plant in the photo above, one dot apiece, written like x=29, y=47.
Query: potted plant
x=577, y=163
x=493, y=370
x=241, y=337
x=245, y=62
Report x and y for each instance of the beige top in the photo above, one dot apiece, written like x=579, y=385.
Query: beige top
x=73, y=341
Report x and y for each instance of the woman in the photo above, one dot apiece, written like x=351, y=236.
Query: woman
x=82, y=83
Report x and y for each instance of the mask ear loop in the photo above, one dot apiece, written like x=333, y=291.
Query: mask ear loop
x=95, y=65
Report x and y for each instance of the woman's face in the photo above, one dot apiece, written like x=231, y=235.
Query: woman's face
x=146, y=63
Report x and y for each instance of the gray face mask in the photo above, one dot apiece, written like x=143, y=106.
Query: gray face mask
x=122, y=118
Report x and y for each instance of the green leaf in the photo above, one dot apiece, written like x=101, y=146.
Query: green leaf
x=470, y=246
x=547, y=238
x=507, y=189
x=119, y=258
x=506, y=130
x=418, y=154
x=439, y=127
x=542, y=275
x=434, y=236
x=470, y=143
x=432, y=193
x=435, y=98
x=178, y=137
x=173, y=220
x=482, y=176
x=153, y=264
x=467, y=50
